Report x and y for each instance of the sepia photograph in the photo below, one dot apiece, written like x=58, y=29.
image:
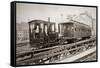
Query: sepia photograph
x=55, y=33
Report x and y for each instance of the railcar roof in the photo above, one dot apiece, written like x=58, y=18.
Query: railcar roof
x=76, y=22
x=40, y=21
x=81, y=23
x=67, y=23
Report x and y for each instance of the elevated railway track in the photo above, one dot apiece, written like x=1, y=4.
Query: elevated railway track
x=59, y=52
x=80, y=56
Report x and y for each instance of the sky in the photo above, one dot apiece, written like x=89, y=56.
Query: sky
x=26, y=12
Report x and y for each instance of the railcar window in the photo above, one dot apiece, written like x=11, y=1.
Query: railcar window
x=79, y=29
x=37, y=29
x=32, y=27
x=64, y=27
x=72, y=28
x=57, y=27
x=41, y=27
x=76, y=29
x=83, y=30
x=68, y=28
x=46, y=29
x=52, y=27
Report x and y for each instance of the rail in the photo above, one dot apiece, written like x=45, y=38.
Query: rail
x=58, y=50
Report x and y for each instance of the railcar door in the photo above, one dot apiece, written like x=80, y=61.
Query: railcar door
x=45, y=33
x=52, y=32
x=35, y=33
x=66, y=29
x=32, y=32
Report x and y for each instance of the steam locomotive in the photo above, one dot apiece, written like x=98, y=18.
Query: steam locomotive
x=46, y=34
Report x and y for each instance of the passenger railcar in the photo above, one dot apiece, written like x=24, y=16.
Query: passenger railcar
x=73, y=31
x=41, y=33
